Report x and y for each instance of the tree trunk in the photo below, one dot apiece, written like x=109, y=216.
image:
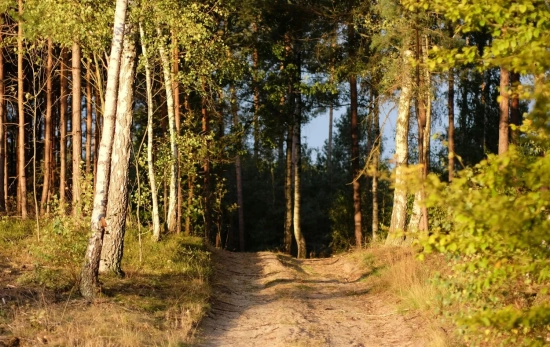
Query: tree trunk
x=76, y=126
x=63, y=100
x=117, y=203
x=300, y=240
x=206, y=182
x=399, y=211
x=22, y=180
x=88, y=118
x=168, y=83
x=288, y=192
x=503, y=124
x=355, y=171
x=451, y=129
x=515, y=116
x=329, y=144
x=238, y=172
x=47, y=130
x=375, y=162
x=150, y=162
x=3, y=171
x=89, y=275
x=177, y=111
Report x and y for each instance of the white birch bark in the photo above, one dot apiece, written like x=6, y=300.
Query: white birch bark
x=168, y=83
x=117, y=203
x=89, y=275
x=399, y=211
x=150, y=162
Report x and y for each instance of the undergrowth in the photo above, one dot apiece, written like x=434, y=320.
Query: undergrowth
x=159, y=302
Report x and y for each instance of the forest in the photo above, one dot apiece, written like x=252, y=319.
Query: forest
x=139, y=137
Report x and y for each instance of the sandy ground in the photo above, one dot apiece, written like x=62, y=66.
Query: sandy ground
x=269, y=300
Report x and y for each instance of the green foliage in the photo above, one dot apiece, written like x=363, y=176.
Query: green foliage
x=497, y=242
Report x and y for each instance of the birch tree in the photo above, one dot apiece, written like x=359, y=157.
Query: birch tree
x=89, y=274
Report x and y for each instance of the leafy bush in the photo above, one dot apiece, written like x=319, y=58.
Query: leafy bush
x=497, y=241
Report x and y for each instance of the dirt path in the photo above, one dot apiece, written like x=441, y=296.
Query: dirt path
x=265, y=299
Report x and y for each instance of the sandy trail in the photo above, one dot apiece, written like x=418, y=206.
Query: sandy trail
x=267, y=299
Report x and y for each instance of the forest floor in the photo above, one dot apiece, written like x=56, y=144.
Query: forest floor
x=269, y=299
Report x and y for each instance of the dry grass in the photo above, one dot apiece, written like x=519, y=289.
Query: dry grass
x=398, y=273
x=158, y=303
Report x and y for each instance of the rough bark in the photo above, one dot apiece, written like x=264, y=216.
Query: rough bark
x=296, y=220
x=47, y=130
x=168, y=83
x=150, y=160
x=76, y=126
x=451, y=129
x=63, y=100
x=399, y=210
x=504, y=124
x=117, y=203
x=22, y=180
x=288, y=193
x=88, y=118
x=89, y=275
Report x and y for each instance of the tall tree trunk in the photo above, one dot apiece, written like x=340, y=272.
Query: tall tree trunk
x=329, y=144
x=503, y=124
x=515, y=116
x=3, y=171
x=356, y=185
x=47, y=130
x=168, y=83
x=399, y=210
x=300, y=240
x=238, y=172
x=206, y=182
x=63, y=101
x=89, y=274
x=22, y=180
x=88, y=118
x=117, y=203
x=288, y=192
x=76, y=126
x=375, y=161
x=98, y=113
x=177, y=111
x=451, y=129
x=150, y=162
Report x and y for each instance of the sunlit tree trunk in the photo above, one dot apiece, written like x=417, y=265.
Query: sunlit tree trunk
x=238, y=172
x=3, y=172
x=297, y=147
x=89, y=275
x=288, y=192
x=150, y=162
x=399, y=210
x=356, y=185
x=117, y=203
x=76, y=126
x=375, y=162
x=451, y=129
x=22, y=180
x=515, y=116
x=63, y=100
x=177, y=111
x=47, y=130
x=168, y=83
x=88, y=118
x=503, y=124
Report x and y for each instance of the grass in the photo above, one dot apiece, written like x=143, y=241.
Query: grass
x=159, y=302
x=396, y=272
